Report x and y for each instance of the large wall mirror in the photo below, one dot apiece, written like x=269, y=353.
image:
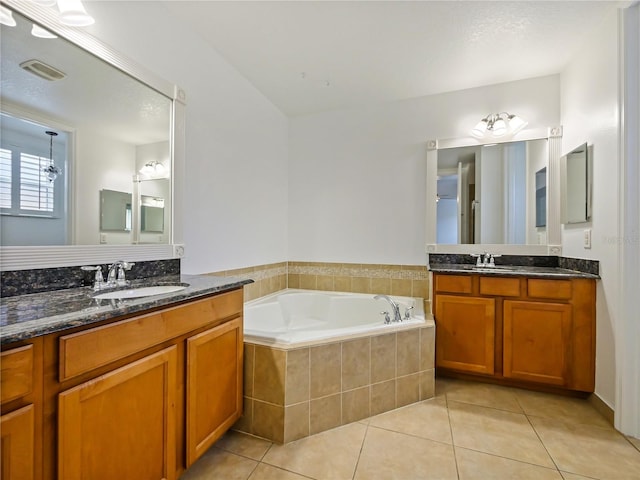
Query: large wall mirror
x=499, y=197
x=119, y=128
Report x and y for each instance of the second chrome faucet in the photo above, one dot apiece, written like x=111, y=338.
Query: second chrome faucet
x=116, y=276
x=485, y=259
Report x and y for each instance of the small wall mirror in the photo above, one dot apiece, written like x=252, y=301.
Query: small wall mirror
x=576, y=185
x=152, y=214
x=115, y=211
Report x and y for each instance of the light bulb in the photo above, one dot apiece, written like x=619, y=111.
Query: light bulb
x=38, y=31
x=516, y=123
x=6, y=17
x=72, y=13
x=153, y=169
x=499, y=128
x=480, y=129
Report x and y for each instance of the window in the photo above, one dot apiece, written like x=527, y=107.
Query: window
x=24, y=187
x=5, y=178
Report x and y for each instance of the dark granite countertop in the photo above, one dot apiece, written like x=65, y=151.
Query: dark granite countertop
x=510, y=271
x=27, y=316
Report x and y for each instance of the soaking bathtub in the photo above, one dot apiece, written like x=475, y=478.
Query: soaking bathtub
x=314, y=360
x=295, y=317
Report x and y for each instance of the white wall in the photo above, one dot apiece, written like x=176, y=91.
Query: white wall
x=537, y=154
x=357, y=177
x=103, y=159
x=589, y=105
x=159, y=187
x=491, y=179
x=447, y=220
x=236, y=141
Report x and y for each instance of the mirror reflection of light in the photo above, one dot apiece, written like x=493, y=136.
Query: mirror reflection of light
x=6, y=17
x=72, y=13
x=38, y=31
x=497, y=125
x=154, y=169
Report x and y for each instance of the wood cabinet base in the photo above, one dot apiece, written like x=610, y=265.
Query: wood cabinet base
x=516, y=330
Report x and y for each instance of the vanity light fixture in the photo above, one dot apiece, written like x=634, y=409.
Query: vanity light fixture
x=497, y=125
x=51, y=170
x=6, y=17
x=153, y=169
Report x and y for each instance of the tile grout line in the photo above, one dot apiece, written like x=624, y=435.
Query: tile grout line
x=453, y=443
x=386, y=429
x=538, y=436
x=364, y=439
x=253, y=470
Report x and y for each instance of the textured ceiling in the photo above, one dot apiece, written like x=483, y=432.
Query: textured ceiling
x=360, y=52
x=93, y=95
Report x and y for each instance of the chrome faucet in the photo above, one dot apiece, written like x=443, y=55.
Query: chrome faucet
x=396, y=308
x=98, y=280
x=116, y=275
x=485, y=259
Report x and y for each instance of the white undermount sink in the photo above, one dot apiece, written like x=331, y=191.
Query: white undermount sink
x=139, y=292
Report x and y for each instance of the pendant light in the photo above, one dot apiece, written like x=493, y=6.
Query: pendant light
x=51, y=170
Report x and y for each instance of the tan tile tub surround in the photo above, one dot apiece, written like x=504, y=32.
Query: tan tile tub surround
x=267, y=279
x=401, y=280
x=291, y=394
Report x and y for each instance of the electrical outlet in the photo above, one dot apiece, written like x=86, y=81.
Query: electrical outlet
x=178, y=251
x=587, y=238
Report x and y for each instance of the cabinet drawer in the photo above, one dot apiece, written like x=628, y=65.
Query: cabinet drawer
x=90, y=349
x=554, y=289
x=504, y=287
x=453, y=283
x=16, y=367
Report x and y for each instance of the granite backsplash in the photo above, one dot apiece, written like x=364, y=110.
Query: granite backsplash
x=23, y=282
x=577, y=264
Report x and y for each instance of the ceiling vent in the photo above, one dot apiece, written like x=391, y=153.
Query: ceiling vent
x=42, y=70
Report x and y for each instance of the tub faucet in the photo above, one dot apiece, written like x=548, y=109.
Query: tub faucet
x=396, y=308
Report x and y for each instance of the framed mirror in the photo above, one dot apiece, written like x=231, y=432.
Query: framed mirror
x=487, y=194
x=576, y=185
x=502, y=197
x=113, y=118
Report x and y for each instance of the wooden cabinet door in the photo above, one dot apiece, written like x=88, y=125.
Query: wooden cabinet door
x=17, y=431
x=465, y=333
x=122, y=424
x=214, y=385
x=537, y=341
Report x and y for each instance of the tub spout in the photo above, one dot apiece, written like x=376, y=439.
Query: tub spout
x=396, y=308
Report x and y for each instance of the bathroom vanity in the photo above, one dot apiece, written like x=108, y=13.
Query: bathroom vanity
x=133, y=389
x=526, y=326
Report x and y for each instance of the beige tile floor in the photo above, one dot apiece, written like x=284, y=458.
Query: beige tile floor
x=468, y=431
